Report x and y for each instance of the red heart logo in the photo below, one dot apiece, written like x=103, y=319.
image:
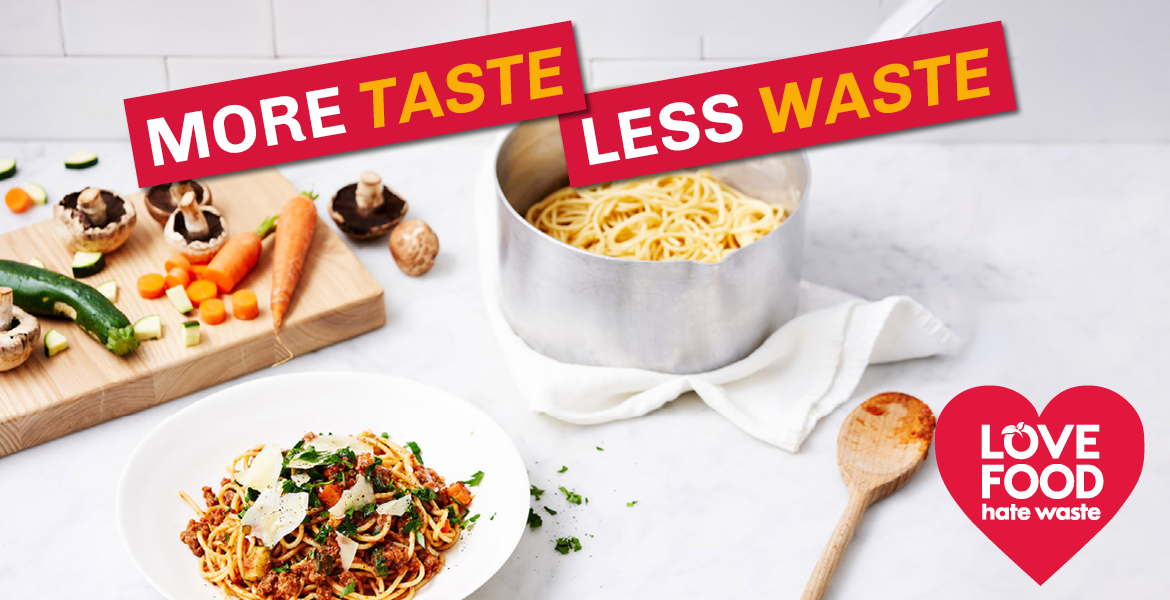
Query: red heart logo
x=995, y=455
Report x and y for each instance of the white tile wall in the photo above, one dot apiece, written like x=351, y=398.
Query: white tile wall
x=1084, y=70
x=190, y=72
x=167, y=27
x=363, y=27
x=30, y=28
x=73, y=98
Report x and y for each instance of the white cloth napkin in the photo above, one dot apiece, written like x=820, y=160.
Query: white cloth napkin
x=778, y=393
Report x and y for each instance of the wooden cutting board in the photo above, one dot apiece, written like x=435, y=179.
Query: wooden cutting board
x=47, y=398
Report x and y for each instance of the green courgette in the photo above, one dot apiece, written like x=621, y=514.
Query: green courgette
x=88, y=264
x=7, y=167
x=43, y=292
x=81, y=160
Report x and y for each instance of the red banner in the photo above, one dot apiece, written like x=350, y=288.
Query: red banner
x=354, y=104
x=787, y=104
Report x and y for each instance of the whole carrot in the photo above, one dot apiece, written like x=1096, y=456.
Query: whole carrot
x=237, y=257
x=294, y=233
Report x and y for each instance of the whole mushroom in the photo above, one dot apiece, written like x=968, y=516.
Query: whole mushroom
x=197, y=232
x=19, y=332
x=414, y=247
x=94, y=220
x=366, y=209
x=162, y=200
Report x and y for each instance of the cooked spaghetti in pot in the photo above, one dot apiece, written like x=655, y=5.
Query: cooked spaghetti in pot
x=355, y=517
x=683, y=216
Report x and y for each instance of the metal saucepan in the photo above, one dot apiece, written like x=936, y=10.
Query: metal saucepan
x=673, y=317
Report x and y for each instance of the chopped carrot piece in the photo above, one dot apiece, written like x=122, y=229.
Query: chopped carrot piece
x=244, y=306
x=202, y=260
x=212, y=311
x=201, y=291
x=152, y=285
x=18, y=200
x=197, y=271
x=178, y=261
x=177, y=276
x=459, y=493
x=329, y=495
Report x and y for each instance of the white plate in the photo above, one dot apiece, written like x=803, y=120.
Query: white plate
x=192, y=448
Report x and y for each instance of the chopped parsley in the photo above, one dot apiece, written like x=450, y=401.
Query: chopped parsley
x=599, y=449
x=380, y=568
x=347, y=527
x=414, y=449
x=471, y=521
x=572, y=497
x=475, y=479
x=385, y=435
x=550, y=511
x=493, y=517
x=568, y=543
x=534, y=519
x=631, y=504
x=323, y=534
x=349, y=587
x=310, y=455
x=424, y=494
x=536, y=492
x=279, y=569
x=563, y=469
x=413, y=521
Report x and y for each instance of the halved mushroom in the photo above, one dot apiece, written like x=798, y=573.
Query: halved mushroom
x=197, y=232
x=94, y=220
x=162, y=200
x=18, y=332
x=366, y=209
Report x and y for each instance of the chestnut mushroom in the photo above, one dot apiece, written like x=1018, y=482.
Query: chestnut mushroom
x=197, y=232
x=366, y=209
x=19, y=332
x=414, y=247
x=162, y=200
x=94, y=220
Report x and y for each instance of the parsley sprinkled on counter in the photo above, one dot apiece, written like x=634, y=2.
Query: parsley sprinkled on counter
x=550, y=511
x=572, y=497
x=414, y=449
x=534, y=519
x=599, y=449
x=568, y=543
x=563, y=469
x=536, y=492
x=631, y=504
x=475, y=479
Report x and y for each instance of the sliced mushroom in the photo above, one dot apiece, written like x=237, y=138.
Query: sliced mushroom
x=197, y=232
x=19, y=332
x=366, y=209
x=162, y=200
x=94, y=220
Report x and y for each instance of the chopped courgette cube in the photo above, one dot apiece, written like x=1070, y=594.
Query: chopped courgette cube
x=179, y=299
x=148, y=328
x=55, y=343
x=190, y=333
x=88, y=264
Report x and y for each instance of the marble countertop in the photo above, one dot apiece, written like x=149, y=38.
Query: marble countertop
x=1049, y=260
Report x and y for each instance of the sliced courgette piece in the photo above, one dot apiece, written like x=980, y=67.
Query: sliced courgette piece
x=179, y=299
x=81, y=160
x=38, y=263
x=55, y=343
x=109, y=289
x=7, y=167
x=148, y=328
x=88, y=264
x=190, y=333
x=36, y=192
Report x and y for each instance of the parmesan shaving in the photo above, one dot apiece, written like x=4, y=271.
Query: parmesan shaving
x=264, y=470
x=300, y=478
x=274, y=516
x=395, y=508
x=348, y=548
x=361, y=494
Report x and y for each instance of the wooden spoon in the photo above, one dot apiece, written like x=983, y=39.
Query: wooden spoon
x=882, y=443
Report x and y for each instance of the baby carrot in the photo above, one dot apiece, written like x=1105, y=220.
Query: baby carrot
x=178, y=261
x=212, y=311
x=177, y=276
x=152, y=285
x=201, y=291
x=294, y=233
x=18, y=200
x=237, y=257
x=244, y=306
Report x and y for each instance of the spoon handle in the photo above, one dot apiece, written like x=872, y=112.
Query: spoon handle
x=831, y=555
